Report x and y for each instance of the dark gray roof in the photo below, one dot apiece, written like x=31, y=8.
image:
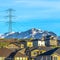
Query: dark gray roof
x=50, y=52
x=40, y=48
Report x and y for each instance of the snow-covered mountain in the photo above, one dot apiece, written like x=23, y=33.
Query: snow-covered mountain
x=32, y=33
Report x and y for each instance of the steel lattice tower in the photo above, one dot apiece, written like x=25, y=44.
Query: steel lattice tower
x=10, y=16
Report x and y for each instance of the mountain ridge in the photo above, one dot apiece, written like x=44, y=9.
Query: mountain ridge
x=31, y=33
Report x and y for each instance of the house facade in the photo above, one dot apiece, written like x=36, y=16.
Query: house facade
x=37, y=43
x=29, y=44
x=7, y=54
x=53, y=41
x=20, y=56
x=22, y=44
x=53, y=54
x=41, y=43
x=35, y=51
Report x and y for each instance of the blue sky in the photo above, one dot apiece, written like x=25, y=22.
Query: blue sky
x=41, y=14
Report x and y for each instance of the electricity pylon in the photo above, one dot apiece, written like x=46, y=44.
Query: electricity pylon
x=10, y=16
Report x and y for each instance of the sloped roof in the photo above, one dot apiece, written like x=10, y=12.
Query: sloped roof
x=50, y=52
x=40, y=48
x=4, y=52
x=14, y=43
x=18, y=54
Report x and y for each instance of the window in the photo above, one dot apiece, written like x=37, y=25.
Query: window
x=2, y=58
x=29, y=44
x=17, y=58
x=32, y=59
x=51, y=58
x=55, y=58
x=9, y=58
x=22, y=46
x=24, y=58
x=48, y=57
x=21, y=58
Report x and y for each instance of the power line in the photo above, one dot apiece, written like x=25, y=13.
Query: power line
x=10, y=16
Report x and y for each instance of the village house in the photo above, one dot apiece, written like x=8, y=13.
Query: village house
x=39, y=42
x=20, y=56
x=44, y=41
x=4, y=52
x=53, y=54
x=56, y=55
x=32, y=43
x=51, y=41
x=7, y=54
x=34, y=51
